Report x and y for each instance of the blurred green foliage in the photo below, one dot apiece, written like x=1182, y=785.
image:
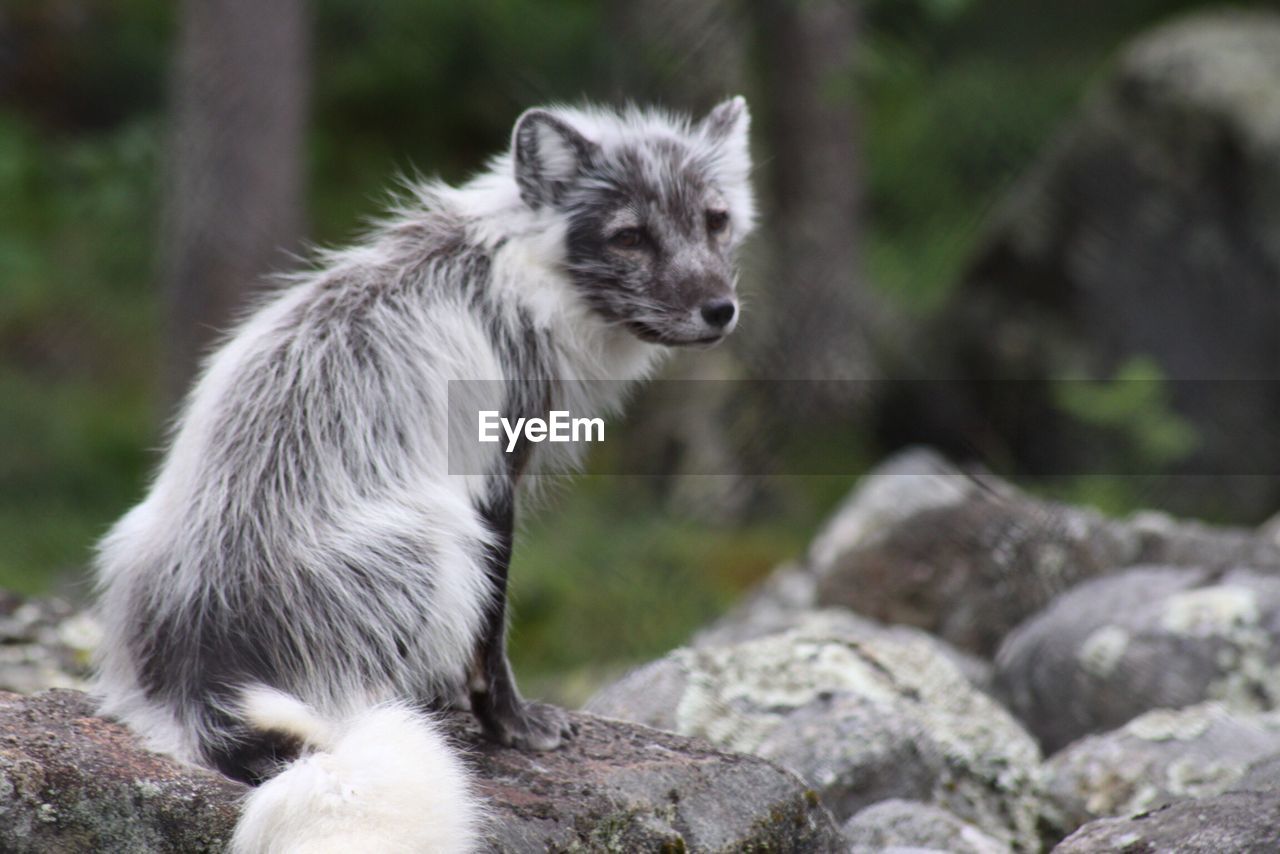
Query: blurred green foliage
x=77, y=338
x=958, y=96
x=1136, y=406
x=601, y=575
x=432, y=86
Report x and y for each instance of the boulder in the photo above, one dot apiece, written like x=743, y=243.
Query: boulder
x=862, y=715
x=1230, y=822
x=1145, y=242
x=44, y=643
x=1262, y=775
x=70, y=781
x=837, y=622
x=1158, y=758
x=967, y=556
x=1147, y=638
x=959, y=554
x=898, y=824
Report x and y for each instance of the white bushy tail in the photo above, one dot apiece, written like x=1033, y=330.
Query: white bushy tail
x=383, y=780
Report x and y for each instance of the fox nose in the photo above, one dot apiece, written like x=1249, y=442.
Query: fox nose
x=719, y=312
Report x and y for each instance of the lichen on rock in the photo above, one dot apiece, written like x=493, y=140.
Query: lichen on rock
x=861, y=718
x=1159, y=758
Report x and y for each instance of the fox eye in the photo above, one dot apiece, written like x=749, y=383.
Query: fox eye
x=717, y=221
x=627, y=238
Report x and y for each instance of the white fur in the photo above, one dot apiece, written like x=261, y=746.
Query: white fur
x=383, y=781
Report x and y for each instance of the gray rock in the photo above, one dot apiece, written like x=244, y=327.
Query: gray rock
x=70, y=781
x=1235, y=822
x=897, y=824
x=44, y=643
x=861, y=715
x=749, y=624
x=1147, y=638
x=1149, y=229
x=1262, y=775
x=1158, y=758
x=73, y=782
x=967, y=557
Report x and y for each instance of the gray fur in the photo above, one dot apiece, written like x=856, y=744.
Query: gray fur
x=303, y=532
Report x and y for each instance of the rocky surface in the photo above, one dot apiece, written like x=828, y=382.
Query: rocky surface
x=863, y=715
x=44, y=643
x=1159, y=758
x=967, y=556
x=906, y=738
x=72, y=782
x=1262, y=775
x=749, y=624
x=899, y=824
x=1146, y=231
x=1147, y=638
x=1237, y=822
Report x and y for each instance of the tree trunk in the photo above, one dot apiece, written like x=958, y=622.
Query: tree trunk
x=234, y=192
x=822, y=319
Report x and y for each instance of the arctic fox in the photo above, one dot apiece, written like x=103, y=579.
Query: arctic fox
x=305, y=579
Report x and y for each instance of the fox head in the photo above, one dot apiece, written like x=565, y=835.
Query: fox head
x=655, y=208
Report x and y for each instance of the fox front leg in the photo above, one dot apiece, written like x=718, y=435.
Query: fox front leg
x=507, y=718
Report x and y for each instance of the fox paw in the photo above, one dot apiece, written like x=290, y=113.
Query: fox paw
x=532, y=726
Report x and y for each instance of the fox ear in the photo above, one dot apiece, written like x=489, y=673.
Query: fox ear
x=724, y=135
x=549, y=155
x=728, y=122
